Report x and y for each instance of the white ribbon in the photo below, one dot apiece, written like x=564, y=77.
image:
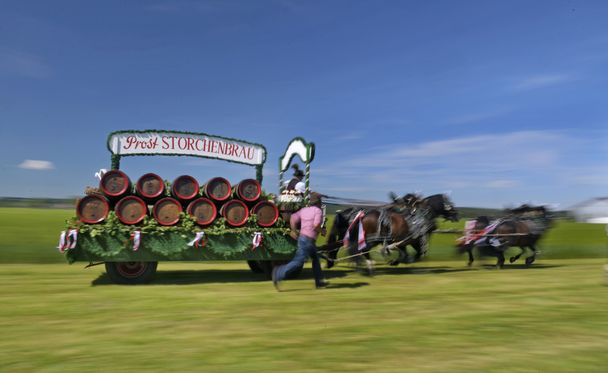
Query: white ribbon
x=197, y=240
x=136, y=237
x=61, y=244
x=73, y=237
x=99, y=174
x=257, y=240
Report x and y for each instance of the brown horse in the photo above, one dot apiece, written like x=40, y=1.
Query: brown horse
x=380, y=226
x=412, y=222
x=522, y=228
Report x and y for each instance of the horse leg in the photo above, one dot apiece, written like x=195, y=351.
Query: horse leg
x=516, y=257
x=532, y=258
x=471, y=258
x=421, y=246
x=369, y=263
x=500, y=254
x=331, y=257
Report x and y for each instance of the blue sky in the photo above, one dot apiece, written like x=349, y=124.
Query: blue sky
x=496, y=102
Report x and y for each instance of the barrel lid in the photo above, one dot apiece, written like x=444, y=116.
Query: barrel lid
x=166, y=211
x=131, y=210
x=203, y=209
x=235, y=212
x=249, y=190
x=185, y=187
x=92, y=209
x=150, y=185
x=114, y=183
x=218, y=189
x=266, y=212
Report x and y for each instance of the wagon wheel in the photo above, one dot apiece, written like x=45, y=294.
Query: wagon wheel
x=255, y=266
x=131, y=273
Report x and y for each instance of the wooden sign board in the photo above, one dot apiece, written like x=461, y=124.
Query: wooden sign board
x=127, y=143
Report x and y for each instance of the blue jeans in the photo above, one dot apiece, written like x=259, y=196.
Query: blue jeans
x=306, y=248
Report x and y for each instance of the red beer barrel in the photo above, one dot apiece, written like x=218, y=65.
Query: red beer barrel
x=131, y=210
x=235, y=212
x=266, y=212
x=185, y=188
x=218, y=189
x=248, y=190
x=203, y=209
x=92, y=209
x=150, y=187
x=166, y=211
x=115, y=184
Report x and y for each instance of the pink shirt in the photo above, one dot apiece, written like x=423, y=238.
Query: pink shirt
x=309, y=218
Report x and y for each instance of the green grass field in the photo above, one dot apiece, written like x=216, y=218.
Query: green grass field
x=433, y=316
x=212, y=317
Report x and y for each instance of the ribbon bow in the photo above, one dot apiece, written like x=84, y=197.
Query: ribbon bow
x=361, y=239
x=136, y=238
x=199, y=240
x=68, y=240
x=100, y=174
x=257, y=240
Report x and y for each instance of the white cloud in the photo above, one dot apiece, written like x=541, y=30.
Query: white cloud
x=31, y=164
x=486, y=162
x=540, y=81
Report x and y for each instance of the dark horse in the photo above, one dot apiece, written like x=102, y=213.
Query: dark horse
x=522, y=228
x=421, y=215
x=406, y=221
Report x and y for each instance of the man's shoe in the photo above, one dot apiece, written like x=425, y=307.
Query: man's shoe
x=322, y=284
x=275, y=282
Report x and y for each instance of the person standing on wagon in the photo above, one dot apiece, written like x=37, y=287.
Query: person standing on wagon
x=310, y=219
x=296, y=184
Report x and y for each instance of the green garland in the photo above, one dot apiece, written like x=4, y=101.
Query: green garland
x=110, y=240
x=187, y=225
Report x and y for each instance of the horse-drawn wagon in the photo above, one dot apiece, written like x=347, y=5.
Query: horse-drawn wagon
x=131, y=226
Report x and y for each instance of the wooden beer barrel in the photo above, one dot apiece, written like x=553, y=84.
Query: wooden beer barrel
x=266, y=212
x=235, y=212
x=150, y=187
x=131, y=210
x=92, y=209
x=248, y=190
x=115, y=184
x=203, y=209
x=166, y=211
x=185, y=188
x=217, y=189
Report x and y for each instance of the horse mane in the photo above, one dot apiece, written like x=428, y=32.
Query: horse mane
x=526, y=208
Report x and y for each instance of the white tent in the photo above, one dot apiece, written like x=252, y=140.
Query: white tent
x=592, y=211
